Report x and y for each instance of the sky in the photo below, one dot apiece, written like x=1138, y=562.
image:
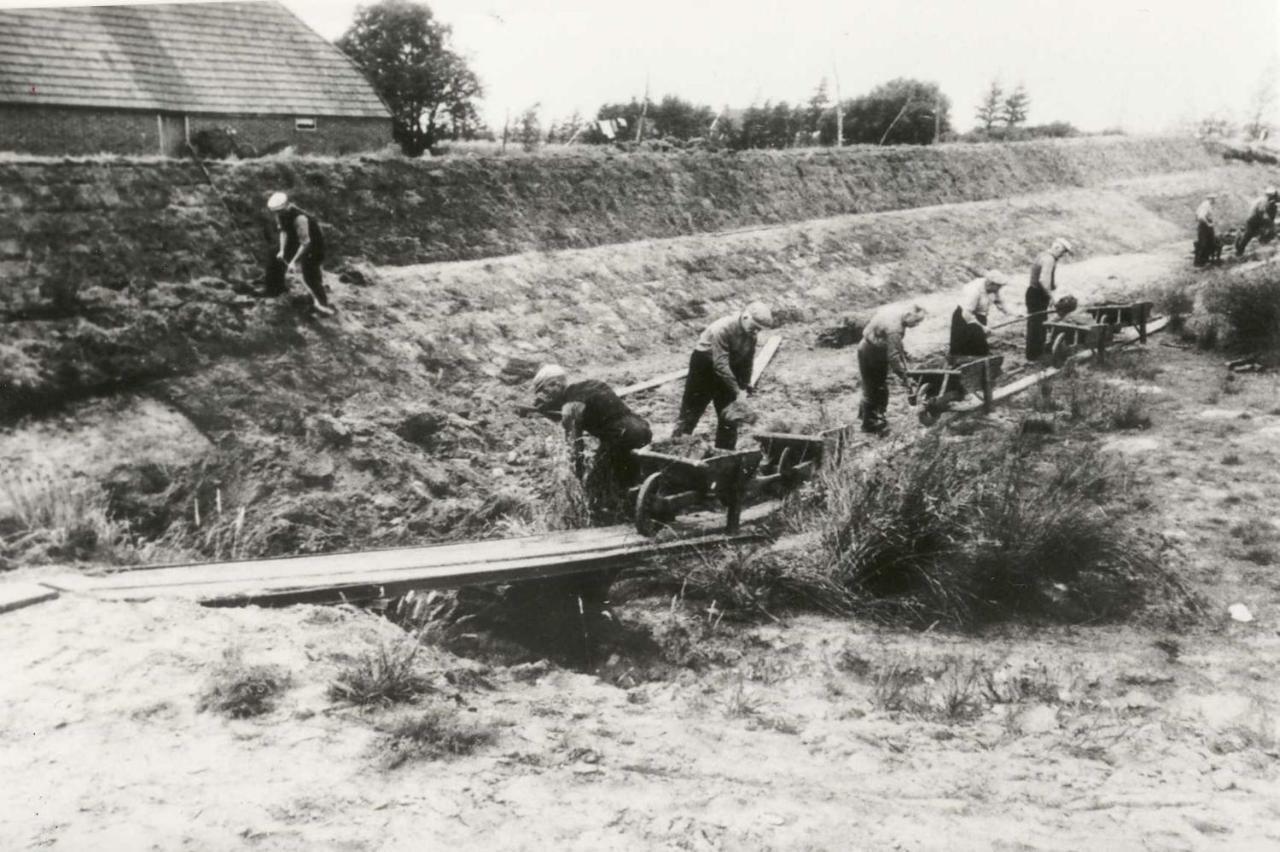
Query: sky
x=1140, y=65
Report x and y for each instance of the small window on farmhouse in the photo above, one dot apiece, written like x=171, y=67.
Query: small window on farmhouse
x=304, y=124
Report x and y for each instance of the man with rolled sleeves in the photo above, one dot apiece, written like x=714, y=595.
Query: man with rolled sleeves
x=1040, y=295
x=880, y=352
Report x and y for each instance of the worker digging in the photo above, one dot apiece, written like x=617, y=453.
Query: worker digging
x=880, y=352
x=720, y=373
x=591, y=407
x=1040, y=295
x=1206, y=237
x=969, y=320
x=301, y=249
x=1262, y=220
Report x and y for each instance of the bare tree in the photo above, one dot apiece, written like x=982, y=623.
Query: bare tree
x=1261, y=105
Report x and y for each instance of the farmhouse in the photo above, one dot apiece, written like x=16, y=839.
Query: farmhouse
x=147, y=79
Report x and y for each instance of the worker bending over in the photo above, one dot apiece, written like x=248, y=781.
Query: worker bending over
x=592, y=408
x=1206, y=237
x=880, y=351
x=720, y=371
x=301, y=248
x=969, y=320
x=1261, y=221
x=1040, y=295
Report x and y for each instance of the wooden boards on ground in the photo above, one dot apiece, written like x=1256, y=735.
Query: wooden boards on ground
x=17, y=595
x=370, y=574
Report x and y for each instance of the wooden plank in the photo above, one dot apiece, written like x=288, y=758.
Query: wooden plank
x=764, y=357
x=441, y=566
x=17, y=595
x=653, y=383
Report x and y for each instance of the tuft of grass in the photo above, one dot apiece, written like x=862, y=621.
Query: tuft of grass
x=435, y=733
x=240, y=690
x=381, y=676
x=893, y=687
x=1101, y=405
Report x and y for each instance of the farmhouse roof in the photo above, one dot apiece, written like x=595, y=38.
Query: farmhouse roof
x=252, y=58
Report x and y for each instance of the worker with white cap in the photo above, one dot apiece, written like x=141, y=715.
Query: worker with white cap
x=591, y=407
x=720, y=371
x=881, y=351
x=1261, y=221
x=301, y=248
x=1206, y=237
x=1040, y=295
x=969, y=320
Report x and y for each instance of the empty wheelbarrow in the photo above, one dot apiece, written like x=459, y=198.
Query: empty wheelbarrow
x=674, y=484
x=939, y=388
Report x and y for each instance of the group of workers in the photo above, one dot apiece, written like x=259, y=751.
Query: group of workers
x=720, y=367
x=1261, y=223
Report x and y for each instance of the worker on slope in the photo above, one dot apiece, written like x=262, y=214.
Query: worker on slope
x=301, y=247
x=969, y=320
x=880, y=351
x=1206, y=236
x=1261, y=221
x=720, y=371
x=592, y=408
x=1040, y=295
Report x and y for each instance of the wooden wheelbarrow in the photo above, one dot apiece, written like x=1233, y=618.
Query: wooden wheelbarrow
x=673, y=484
x=938, y=388
x=791, y=458
x=1133, y=315
x=1066, y=337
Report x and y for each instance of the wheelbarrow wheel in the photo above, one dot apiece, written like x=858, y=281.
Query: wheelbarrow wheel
x=646, y=503
x=929, y=407
x=787, y=463
x=1059, y=351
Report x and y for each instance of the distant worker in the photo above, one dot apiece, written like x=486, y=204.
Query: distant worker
x=720, y=371
x=880, y=351
x=301, y=248
x=1261, y=221
x=1040, y=295
x=591, y=407
x=969, y=320
x=1206, y=236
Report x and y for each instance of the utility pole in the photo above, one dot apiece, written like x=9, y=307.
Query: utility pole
x=839, y=107
x=644, y=108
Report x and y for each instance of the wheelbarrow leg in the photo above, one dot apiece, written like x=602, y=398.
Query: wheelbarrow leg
x=733, y=498
x=988, y=389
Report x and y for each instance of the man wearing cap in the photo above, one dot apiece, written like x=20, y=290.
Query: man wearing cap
x=301, y=247
x=880, y=351
x=591, y=407
x=720, y=370
x=969, y=320
x=1262, y=219
x=1040, y=295
x=1206, y=238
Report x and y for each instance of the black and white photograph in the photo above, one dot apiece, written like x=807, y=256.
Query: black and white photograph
x=680, y=425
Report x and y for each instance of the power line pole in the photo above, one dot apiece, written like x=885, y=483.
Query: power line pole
x=839, y=107
x=644, y=108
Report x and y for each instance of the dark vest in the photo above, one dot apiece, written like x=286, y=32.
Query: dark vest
x=603, y=407
x=286, y=223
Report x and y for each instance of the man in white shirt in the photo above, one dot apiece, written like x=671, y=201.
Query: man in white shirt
x=1206, y=239
x=1040, y=295
x=969, y=320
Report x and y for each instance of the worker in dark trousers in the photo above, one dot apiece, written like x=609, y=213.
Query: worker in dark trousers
x=1206, y=237
x=1261, y=221
x=720, y=371
x=590, y=407
x=301, y=247
x=880, y=351
x=969, y=320
x=1040, y=295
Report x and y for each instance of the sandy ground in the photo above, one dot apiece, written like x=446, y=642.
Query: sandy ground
x=1127, y=737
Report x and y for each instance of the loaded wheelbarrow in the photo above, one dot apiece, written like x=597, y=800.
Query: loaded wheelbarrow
x=937, y=389
x=1066, y=337
x=791, y=458
x=673, y=484
x=1133, y=315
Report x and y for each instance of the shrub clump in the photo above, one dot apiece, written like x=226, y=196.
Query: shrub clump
x=381, y=676
x=433, y=734
x=965, y=533
x=1250, y=305
x=240, y=690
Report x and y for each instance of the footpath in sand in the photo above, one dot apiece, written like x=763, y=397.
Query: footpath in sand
x=776, y=736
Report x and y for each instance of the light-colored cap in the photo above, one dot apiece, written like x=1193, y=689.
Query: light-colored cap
x=996, y=277
x=277, y=202
x=1061, y=245
x=548, y=374
x=914, y=314
x=760, y=314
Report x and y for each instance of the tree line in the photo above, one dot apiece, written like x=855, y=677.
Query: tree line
x=406, y=53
